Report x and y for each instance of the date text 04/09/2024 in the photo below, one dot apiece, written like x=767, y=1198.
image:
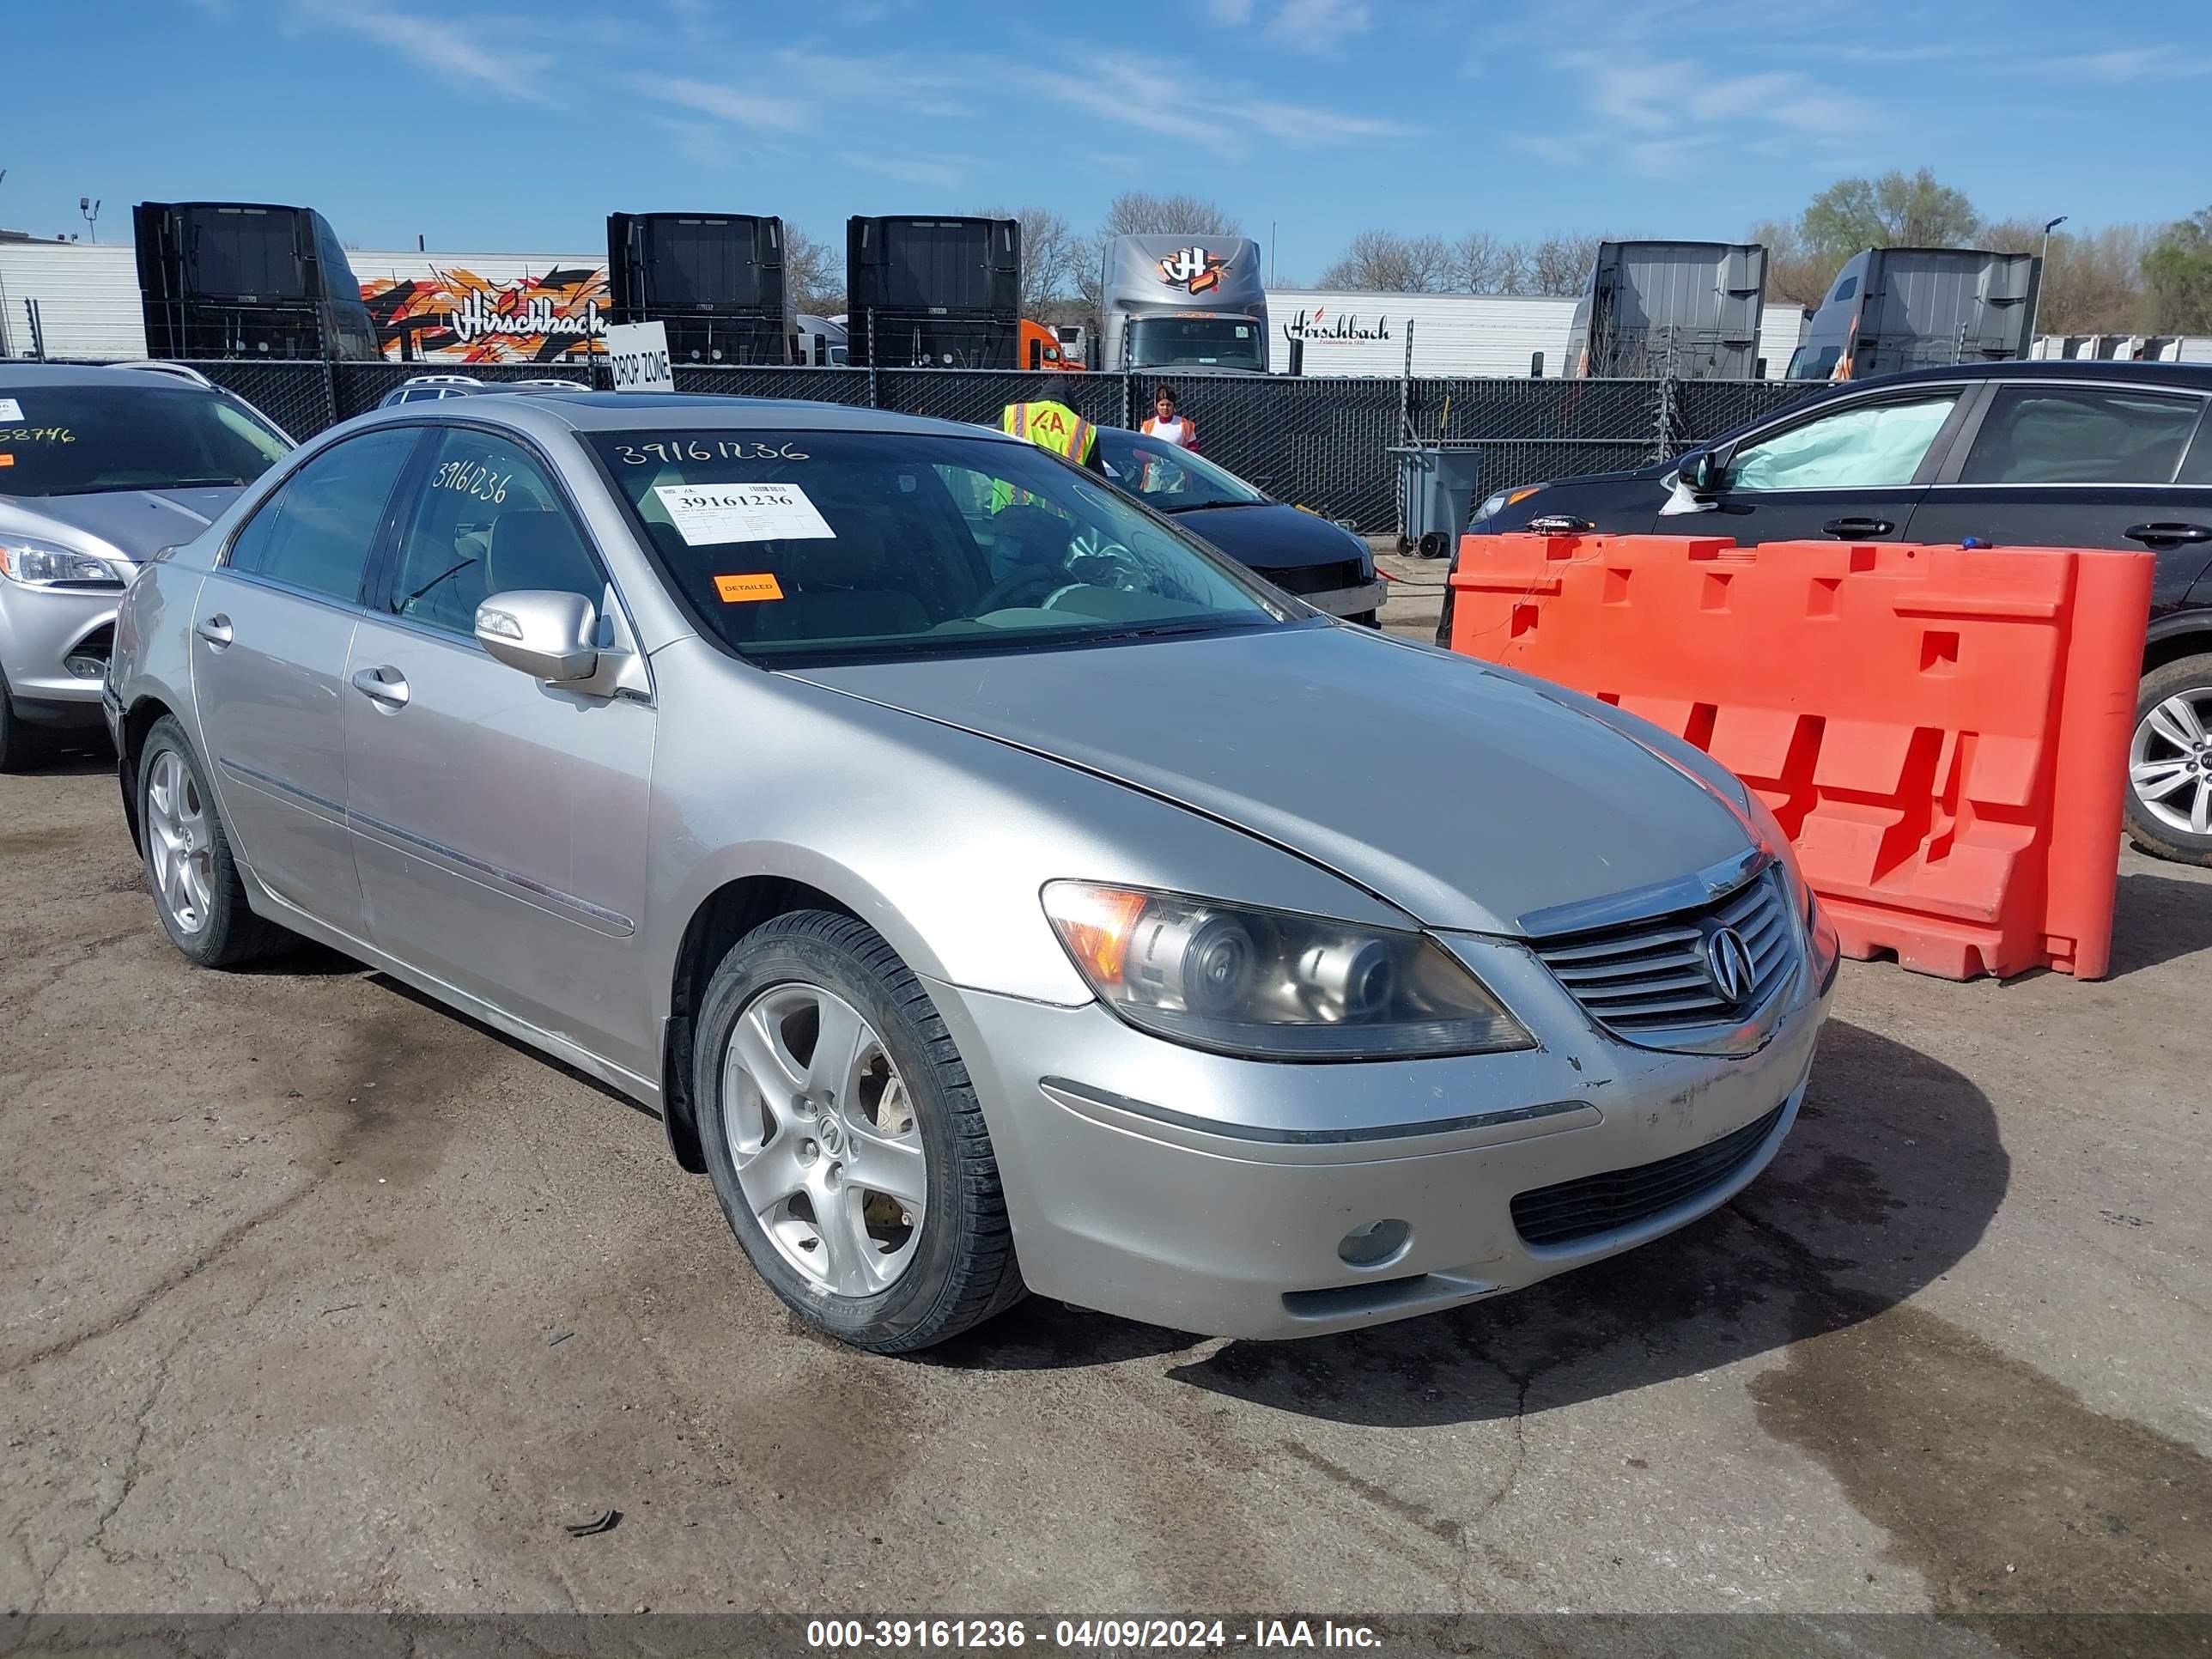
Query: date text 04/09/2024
x=896, y=1635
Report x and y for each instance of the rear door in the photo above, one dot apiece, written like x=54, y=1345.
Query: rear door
x=1851, y=470
x=2088, y=464
x=274, y=622
x=499, y=820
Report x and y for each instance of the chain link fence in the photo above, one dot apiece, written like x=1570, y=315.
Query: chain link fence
x=1322, y=443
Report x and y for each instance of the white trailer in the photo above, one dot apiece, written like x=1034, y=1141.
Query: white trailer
x=86, y=298
x=1345, y=332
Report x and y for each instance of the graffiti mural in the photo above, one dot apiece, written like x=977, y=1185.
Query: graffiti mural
x=455, y=315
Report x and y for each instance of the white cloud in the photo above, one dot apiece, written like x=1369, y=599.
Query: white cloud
x=1231, y=12
x=745, y=109
x=909, y=168
x=1160, y=101
x=1662, y=111
x=2127, y=63
x=1320, y=25
x=459, y=48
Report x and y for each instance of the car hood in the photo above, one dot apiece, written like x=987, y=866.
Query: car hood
x=135, y=523
x=1272, y=535
x=1467, y=798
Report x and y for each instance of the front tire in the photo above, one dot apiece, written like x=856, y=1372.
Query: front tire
x=845, y=1141
x=198, y=889
x=2169, y=800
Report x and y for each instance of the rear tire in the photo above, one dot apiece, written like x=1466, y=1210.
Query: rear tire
x=797, y=1136
x=197, y=891
x=21, y=746
x=2170, y=762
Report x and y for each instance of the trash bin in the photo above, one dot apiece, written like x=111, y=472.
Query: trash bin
x=1436, y=493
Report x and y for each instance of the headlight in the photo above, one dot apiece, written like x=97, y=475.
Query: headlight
x=41, y=564
x=1493, y=505
x=1239, y=980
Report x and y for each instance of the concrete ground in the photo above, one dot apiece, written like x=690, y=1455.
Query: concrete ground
x=313, y=1296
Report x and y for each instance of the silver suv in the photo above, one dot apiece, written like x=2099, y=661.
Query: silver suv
x=99, y=469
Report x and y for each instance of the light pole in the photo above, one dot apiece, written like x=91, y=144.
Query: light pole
x=90, y=208
x=2043, y=264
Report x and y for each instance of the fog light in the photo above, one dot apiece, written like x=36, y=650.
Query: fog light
x=86, y=668
x=1374, y=1243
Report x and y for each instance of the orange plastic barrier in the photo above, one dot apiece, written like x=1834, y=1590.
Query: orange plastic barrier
x=1941, y=731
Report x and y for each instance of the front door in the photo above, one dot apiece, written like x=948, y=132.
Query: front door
x=274, y=624
x=1849, y=473
x=499, y=820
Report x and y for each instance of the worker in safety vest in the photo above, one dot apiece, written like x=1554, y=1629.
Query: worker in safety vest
x=1166, y=425
x=1055, y=427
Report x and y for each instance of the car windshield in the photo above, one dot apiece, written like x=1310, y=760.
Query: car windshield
x=1170, y=479
x=83, y=440
x=1195, y=342
x=814, y=545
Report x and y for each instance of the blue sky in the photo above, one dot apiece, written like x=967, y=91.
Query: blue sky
x=517, y=128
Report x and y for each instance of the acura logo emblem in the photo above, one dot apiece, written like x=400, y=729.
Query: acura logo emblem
x=1728, y=965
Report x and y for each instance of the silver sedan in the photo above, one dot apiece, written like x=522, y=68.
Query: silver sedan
x=991, y=886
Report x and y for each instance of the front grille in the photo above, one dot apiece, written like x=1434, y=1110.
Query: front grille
x=1317, y=578
x=1604, y=1203
x=1649, y=977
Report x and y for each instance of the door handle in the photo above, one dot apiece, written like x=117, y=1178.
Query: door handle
x=215, y=629
x=386, y=686
x=1847, y=527
x=2167, y=535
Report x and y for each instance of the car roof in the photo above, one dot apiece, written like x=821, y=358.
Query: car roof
x=15, y=375
x=632, y=411
x=2196, y=377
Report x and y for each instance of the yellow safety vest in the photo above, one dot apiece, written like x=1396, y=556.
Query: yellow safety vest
x=1055, y=427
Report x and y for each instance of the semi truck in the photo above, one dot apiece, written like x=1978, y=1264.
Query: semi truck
x=1892, y=308
x=1689, y=309
x=715, y=280
x=933, y=293
x=247, y=279
x=1189, y=303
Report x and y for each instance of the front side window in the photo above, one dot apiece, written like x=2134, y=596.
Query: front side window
x=486, y=521
x=90, y=440
x=1845, y=288
x=2081, y=435
x=1201, y=342
x=1867, y=447
x=1814, y=362
x=824, y=544
x=1170, y=479
x=317, y=530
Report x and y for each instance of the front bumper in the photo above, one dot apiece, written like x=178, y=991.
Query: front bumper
x=1351, y=601
x=41, y=630
x=1212, y=1194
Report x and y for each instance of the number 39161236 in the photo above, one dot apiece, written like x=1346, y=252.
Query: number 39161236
x=472, y=478
x=707, y=449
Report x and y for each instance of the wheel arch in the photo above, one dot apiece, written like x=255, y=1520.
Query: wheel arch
x=2187, y=633
x=138, y=720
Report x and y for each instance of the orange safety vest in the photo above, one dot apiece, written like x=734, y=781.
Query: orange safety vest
x=1189, y=430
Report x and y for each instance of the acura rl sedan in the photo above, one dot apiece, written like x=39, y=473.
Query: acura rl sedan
x=991, y=886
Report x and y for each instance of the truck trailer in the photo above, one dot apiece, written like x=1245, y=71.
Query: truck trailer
x=715, y=280
x=1892, y=308
x=247, y=279
x=1191, y=304
x=933, y=293
x=1690, y=310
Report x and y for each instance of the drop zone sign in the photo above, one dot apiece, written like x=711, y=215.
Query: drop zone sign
x=637, y=353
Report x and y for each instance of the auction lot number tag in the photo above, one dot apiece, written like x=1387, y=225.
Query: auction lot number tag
x=637, y=355
x=708, y=515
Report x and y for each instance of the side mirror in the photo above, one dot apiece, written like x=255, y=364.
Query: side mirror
x=1701, y=473
x=544, y=633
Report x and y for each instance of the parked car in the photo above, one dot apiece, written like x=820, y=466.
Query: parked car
x=984, y=899
x=2007, y=454
x=1301, y=552
x=99, y=469
x=430, y=388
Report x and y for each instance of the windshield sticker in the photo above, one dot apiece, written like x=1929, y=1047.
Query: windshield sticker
x=675, y=450
x=708, y=515
x=748, y=589
x=38, y=435
x=6, y=460
x=10, y=410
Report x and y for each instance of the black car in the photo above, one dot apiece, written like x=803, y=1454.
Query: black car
x=1301, y=552
x=2002, y=454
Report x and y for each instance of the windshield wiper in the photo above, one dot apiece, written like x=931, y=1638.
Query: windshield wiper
x=152, y=486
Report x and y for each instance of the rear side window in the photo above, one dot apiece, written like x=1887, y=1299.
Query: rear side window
x=315, y=533
x=2081, y=435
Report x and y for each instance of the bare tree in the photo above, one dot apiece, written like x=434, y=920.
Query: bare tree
x=1053, y=256
x=1384, y=262
x=1481, y=264
x=1560, y=265
x=1794, y=272
x=2091, y=285
x=1140, y=213
x=814, y=273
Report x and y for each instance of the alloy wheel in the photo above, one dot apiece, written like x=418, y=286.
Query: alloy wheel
x=178, y=845
x=2170, y=762
x=824, y=1138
